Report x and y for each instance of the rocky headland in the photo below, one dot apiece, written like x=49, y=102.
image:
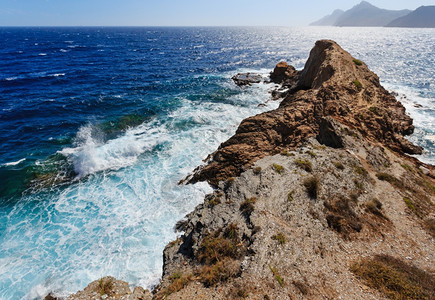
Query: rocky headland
x=317, y=199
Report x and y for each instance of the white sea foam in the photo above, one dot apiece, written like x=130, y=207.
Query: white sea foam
x=93, y=155
x=14, y=163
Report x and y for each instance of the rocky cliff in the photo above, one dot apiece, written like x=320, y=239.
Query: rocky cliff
x=317, y=199
x=332, y=84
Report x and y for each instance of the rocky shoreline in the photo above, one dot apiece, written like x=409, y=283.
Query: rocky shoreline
x=309, y=198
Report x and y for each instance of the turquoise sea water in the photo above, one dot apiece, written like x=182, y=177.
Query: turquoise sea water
x=99, y=124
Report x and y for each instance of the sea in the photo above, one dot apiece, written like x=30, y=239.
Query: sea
x=98, y=125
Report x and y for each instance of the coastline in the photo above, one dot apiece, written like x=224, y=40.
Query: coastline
x=278, y=235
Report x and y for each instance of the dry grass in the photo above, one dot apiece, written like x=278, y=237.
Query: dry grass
x=286, y=153
x=374, y=206
x=360, y=171
x=341, y=216
x=358, y=84
x=218, y=272
x=247, y=206
x=277, y=276
x=278, y=168
x=105, y=286
x=395, y=278
x=304, y=164
x=312, y=186
x=338, y=165
x=280, y=238
x=357, y=62
x=388, y=177
x=178, y=282
x=256, y=170
x=219, y=252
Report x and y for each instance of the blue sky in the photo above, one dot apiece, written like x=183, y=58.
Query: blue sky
x=178, y=12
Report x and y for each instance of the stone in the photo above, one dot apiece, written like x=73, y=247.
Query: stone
x=242, y=79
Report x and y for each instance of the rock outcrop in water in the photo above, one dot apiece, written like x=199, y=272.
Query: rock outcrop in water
x=314, y=200
x=242, y=79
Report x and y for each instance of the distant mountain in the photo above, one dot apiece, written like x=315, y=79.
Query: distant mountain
x=423, y=17
x=366, y=14
x=329, y=20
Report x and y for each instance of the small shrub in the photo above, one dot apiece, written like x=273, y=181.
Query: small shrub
x=239, y=292
x=373, y=109
x=247, y=206
x=320, y=147
x=280, y=238
x=178, y=282
x=409, y=203
x=395, y=278
x=387, y=177
x=286, y=153
x=277, y=276
x=408, y=168
x=231, y=231
x=105, y=286
x=256, y=170
x=360, y=171
x=278, y=168
x=311, y=153
x=214, y=201
x=358, y=184
x=341, y=216
x=174, y=242
x=357, y=84
x=338, y=165
x=375, y=206
x=223, y=243
x=357, y=62
x=354, y=195
x=312, y=185
x=290, y=195
x=218, y=272
x=304, y=164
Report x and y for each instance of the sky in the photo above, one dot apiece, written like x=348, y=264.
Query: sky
x=179, y=12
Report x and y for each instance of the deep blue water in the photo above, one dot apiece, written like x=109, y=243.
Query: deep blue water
x=97, y=126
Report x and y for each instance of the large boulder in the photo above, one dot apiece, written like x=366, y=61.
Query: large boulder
x=242, y=79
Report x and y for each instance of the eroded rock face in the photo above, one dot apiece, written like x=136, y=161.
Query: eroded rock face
x=332, y=84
